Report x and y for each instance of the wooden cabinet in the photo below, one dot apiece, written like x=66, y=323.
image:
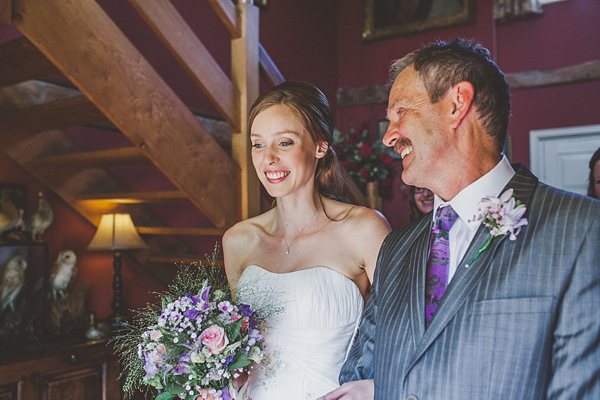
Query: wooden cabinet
x=87, y=371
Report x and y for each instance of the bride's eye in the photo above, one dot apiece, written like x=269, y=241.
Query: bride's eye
x=286, y=143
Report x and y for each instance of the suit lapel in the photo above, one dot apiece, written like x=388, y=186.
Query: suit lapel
x=465, y=278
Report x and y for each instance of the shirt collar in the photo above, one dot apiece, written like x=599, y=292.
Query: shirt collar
x=466, y=202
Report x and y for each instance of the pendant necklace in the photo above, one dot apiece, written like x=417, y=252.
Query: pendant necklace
x=287, y=250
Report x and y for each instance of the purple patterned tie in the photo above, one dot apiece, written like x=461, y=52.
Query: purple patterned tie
x=439, y=259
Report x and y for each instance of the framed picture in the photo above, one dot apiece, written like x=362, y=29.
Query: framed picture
x=24, y=300
x=388, y=18
x=13, y=203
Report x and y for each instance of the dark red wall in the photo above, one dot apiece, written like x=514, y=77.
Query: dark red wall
x=566, y=34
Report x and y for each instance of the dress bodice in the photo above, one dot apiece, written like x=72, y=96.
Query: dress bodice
x=308, y=341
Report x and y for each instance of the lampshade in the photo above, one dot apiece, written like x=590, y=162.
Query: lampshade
x=116, y=232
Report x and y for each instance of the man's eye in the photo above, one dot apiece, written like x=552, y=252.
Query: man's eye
x=257, y=145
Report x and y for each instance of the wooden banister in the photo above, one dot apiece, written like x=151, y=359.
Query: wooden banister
x=268, y=69
x=93, y=159
x=226, y=11
x=134, y=197
x=167, y=230
x=189, y=51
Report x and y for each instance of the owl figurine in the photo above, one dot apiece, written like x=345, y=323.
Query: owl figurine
x=12, y=281
x=41, y=219
x=63, y=273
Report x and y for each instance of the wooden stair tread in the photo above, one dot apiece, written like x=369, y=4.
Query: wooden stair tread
x=167, y=230
x=134, y=197
x=93, y=159
x=62, y=113
x=20, y=61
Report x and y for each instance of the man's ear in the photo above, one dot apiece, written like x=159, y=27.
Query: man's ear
x=322, y=149
x=461, y=97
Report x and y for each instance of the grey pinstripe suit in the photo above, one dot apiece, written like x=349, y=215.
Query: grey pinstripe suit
x=523, y=322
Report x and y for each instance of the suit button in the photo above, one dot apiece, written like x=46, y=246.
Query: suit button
x=411, y=398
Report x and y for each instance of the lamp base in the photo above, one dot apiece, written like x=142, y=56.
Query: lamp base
x=117, y=320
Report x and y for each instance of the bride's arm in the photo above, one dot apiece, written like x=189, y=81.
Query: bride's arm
x=368, y=232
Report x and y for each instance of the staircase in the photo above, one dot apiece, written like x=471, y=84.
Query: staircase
x=112, y=91
x=112, y=87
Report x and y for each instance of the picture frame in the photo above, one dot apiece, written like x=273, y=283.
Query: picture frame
x=389, y=18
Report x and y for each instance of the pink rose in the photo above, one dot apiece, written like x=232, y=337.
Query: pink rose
x=214, y=338
x=155, y=335
x=245, y=324
x=235, y=317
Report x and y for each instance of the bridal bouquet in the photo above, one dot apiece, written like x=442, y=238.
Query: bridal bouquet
x=197, y=343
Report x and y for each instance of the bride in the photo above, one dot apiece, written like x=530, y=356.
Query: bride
x=316, y=253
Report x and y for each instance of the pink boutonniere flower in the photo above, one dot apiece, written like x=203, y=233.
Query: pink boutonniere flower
x=502, y=216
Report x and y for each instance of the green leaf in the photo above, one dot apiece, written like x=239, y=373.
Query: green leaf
x=164, y=396
x=191, y=396
x=175, y=389
x=233, y=329
x=240, y=361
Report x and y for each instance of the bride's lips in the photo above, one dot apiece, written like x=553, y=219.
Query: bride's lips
x=276, y=176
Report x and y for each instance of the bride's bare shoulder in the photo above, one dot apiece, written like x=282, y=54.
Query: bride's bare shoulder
x=353, y=216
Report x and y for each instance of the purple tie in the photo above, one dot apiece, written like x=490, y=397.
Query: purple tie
x=439, y=259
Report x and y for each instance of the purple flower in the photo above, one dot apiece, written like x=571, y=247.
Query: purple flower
x=191, y=313
x=227, y=361
x=245, y=309
x=181, y=369
x=225, y=307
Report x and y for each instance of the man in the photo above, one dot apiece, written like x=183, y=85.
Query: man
x=519, y=319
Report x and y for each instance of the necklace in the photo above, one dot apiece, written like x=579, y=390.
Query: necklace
x=287, y=250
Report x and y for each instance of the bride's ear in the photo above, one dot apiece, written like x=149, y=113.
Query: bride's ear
x=321, y=149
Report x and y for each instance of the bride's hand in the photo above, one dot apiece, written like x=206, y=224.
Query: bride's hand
x=356, y=390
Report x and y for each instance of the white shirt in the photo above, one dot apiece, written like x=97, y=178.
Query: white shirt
x=465, y=204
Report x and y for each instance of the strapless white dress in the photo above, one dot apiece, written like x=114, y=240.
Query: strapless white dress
x=309, y=341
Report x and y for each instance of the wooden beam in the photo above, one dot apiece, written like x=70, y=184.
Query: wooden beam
x=183, y=43
x=134, y=197
x=167, y=230
x=588, y=71
x=20, y=61
x=56, y=114
x=227, y=12
x=245, y=76
x=92, y=159
x=88, y=48
x=268, y=69
x=5, y=13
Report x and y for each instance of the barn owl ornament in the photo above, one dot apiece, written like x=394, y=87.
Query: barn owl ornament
x=12, y=281
x=63, y=273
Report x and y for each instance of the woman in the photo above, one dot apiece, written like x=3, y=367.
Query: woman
x=316, y=253
x=594, y=182
x=420, y=201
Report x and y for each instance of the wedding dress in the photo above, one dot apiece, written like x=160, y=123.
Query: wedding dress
x=309, y=340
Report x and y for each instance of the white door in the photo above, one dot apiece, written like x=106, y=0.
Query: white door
x=560, y=157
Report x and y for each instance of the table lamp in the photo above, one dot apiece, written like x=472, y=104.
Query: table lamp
x=116, y=232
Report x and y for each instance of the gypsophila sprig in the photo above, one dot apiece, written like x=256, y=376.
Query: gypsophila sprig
x=197, y=342
x=502, y=216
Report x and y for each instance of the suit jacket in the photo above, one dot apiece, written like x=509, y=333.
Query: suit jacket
x=522, y=322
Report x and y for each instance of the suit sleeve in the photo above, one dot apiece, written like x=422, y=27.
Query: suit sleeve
x=576, y=349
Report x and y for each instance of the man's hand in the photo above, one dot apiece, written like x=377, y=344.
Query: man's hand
x=356, y=390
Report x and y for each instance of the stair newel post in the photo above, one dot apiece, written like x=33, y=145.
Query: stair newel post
x=245, y=77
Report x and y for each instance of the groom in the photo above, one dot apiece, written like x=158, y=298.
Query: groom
x=519, y=319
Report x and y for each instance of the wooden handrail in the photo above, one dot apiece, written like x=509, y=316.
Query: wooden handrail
x=189, y=51
x=268, y=69
x=167, y=230
x=93, y=159
x=226, y=11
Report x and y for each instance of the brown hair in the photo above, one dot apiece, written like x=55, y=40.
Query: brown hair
x=441, y=65
x=312, y=108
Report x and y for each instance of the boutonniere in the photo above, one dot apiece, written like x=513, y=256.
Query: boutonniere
x=502, y=216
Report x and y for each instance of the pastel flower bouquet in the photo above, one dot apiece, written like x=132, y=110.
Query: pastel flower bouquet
x=196, y=344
